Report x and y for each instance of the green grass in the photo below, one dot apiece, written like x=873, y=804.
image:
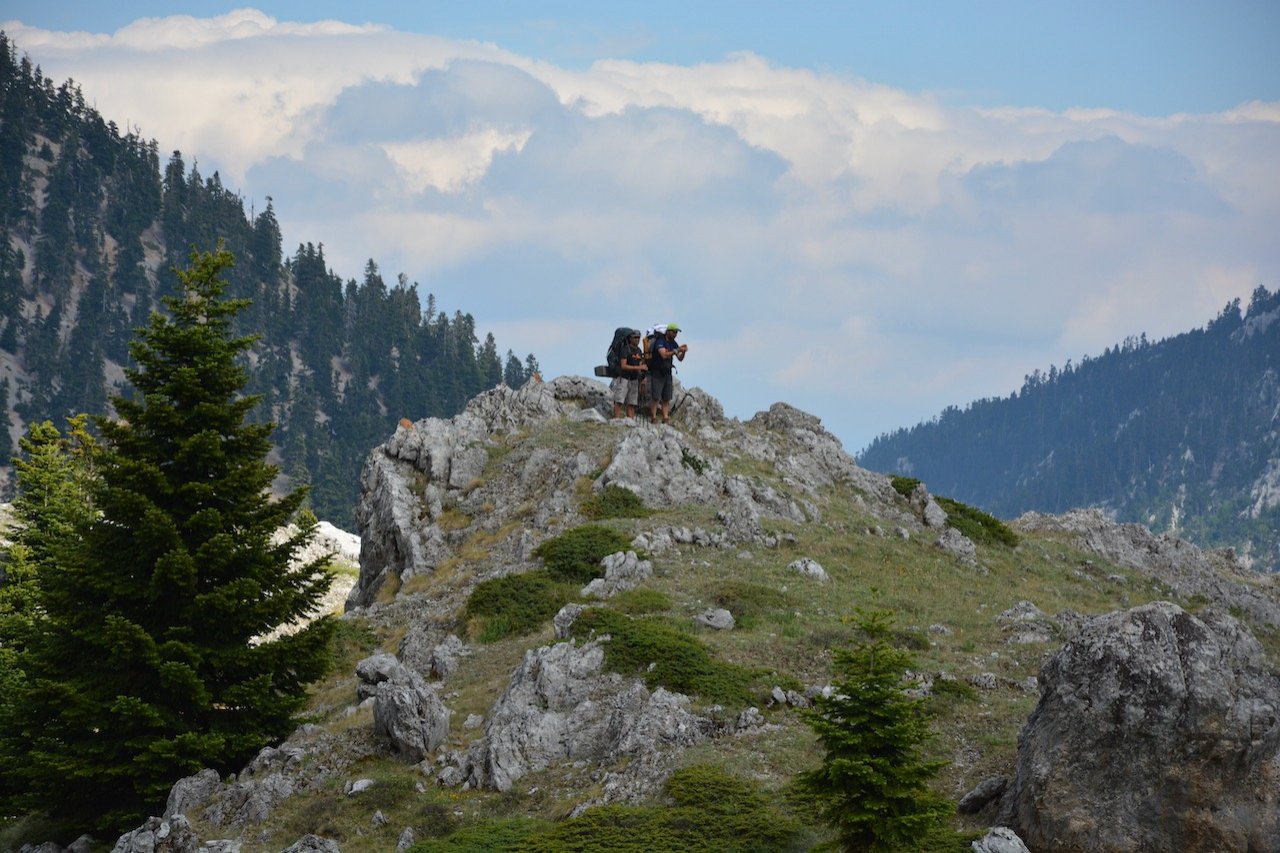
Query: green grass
x=640, y=601
x=748, y=601
x=707, y=811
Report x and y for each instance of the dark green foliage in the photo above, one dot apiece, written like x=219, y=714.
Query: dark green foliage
x=515, y=604
x=170, y=581
x=55, y=477
x=6, y=441
x=492, y=836
x=981, y=528
x=614, y=502
x=574, y=556
x=665, y=657
x=692, y=461
x=710, y=811
x=368, y=352
x=904, y=485
x=872, y=787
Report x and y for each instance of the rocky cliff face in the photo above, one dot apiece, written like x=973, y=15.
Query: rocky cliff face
x=764, y=535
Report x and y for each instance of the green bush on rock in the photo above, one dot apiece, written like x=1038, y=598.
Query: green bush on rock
x=665, y=657
x=574, y=556
x=615, y=502
x=514, y=604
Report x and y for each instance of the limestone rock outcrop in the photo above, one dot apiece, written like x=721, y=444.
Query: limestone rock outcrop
x=561, y=705
x=421, y=488
x=622, y=571
x=1156, y=730
x=407, y=711
x=1185, y=568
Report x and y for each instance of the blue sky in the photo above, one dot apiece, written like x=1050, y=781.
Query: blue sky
x=1148, y=56
x=869, y=210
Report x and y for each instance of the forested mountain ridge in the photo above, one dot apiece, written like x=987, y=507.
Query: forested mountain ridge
x=1182, y=435
x=93, y=229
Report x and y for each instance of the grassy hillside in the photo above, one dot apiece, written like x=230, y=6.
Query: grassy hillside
x=978, y=645
x=947, y=611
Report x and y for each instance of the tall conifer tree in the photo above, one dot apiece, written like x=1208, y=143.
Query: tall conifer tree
x=146, y=667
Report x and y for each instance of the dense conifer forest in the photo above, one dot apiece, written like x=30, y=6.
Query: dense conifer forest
x=1182, y=435
x=94, y=228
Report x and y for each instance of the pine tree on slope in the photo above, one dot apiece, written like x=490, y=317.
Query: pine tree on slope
x=146, y=669
x=872, y=787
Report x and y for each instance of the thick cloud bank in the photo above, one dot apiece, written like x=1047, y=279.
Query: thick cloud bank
x=867, y=253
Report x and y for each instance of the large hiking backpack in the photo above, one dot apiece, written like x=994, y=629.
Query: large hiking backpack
x=651, y=341
x=613, y=357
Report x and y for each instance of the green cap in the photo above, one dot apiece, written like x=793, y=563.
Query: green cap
x=672, y=327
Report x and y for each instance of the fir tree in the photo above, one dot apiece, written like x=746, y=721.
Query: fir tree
x=171, y=582
x=872, y=787
x=55, y=475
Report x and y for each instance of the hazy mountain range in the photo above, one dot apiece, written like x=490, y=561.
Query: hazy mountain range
x=1182, y=435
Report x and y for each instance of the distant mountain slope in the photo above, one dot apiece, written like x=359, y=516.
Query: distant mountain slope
x=91, y=228
x=1181, y=435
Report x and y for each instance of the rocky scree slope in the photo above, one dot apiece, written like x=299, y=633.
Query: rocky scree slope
x=763, y=537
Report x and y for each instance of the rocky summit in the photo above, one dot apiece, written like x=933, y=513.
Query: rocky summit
x=1094, y=687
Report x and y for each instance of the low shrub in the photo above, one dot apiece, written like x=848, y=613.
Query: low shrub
x=615, y=502
x=981, y=528
x=665, y=657
x=514, y=604
x=574, y=556
x=692, y=461
x=948, y=694
x=904, y=485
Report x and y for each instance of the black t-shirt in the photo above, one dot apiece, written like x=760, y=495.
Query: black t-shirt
x=633, y=356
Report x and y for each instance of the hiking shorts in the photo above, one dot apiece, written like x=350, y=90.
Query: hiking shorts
x=625, y=391
x=660, y=387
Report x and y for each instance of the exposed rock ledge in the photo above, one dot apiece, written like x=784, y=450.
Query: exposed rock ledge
x=428, y=468
x=1184, y=568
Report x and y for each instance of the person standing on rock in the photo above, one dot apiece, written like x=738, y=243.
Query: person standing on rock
x=626, y=387
x=661, y=368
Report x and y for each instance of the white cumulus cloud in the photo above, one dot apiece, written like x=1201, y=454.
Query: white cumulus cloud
x=868, y=253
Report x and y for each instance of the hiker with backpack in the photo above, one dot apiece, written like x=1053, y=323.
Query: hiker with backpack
x=631, y=372
x=661, y=369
